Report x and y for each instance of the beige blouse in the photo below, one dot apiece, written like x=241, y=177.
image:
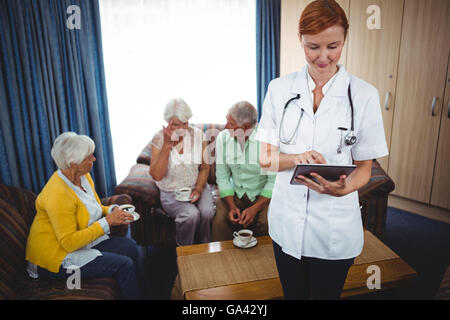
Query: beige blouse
x=182, y=168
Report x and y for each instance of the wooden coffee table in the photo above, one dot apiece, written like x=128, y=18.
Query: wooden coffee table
x=394, y=273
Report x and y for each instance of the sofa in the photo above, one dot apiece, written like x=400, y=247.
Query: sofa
x=156, y=228
x=17, y=211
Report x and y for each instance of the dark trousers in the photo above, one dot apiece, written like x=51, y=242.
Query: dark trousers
x=311, y=278
x=222, y=228
x=119, y=260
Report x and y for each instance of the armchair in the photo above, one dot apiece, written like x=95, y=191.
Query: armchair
x=17, y=211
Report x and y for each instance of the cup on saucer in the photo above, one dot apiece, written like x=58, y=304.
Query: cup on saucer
x=127, y=207
x=130, y=209
x=243, y=237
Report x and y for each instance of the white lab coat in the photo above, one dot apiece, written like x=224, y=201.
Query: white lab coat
x=302, y=221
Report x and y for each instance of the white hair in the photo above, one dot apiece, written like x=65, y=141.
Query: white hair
x=71, y=147
x=244, y=112
x=177, y=108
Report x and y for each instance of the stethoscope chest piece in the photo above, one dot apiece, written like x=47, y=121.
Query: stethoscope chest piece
x=350, y=139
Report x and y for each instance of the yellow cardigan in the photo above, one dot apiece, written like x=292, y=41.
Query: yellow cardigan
x=60, y=224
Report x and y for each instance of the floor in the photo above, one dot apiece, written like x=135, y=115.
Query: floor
x=423, y=243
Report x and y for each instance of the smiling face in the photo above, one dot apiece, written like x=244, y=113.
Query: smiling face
x=323, y=50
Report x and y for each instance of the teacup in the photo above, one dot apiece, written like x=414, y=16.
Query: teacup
x=244, y=236
x=183, y=194
x=127, y=207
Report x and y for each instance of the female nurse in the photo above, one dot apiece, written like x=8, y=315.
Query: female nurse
x=319, y=115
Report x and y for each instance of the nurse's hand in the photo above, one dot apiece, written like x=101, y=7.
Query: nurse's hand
x=309, y=157
x=333, y=188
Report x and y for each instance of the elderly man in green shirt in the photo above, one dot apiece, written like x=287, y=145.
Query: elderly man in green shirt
x=245, y=190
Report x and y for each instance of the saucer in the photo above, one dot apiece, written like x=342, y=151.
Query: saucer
x=251, y=243
x=183, y=199
x=135, y=215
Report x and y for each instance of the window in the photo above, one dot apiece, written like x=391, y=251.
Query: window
x=200, y=50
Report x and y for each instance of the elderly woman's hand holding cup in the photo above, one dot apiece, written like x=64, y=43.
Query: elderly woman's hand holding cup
x=118, y=217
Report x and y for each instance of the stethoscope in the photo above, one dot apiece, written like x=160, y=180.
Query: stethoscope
x=350, y=138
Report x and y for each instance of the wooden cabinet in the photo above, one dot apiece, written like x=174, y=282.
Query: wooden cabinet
x=419, y=98
x=373, y=53
x=440, y=192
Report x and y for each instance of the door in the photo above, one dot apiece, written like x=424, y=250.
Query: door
x=440, y=193
x=421, y=79
x=373, y=53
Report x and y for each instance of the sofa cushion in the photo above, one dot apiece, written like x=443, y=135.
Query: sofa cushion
x=139, y=185
x=145, y=155
x=379, y=182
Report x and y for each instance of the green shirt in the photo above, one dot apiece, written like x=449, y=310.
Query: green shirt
x=238, y=171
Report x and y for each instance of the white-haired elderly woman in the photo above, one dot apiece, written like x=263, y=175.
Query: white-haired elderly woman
x=177, y=163
x=71, y=226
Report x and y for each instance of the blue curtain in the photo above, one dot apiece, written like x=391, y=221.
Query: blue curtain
x=51, y=81
x=267, y=46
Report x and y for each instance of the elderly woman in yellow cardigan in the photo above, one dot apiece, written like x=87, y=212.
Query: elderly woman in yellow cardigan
x=71, y=226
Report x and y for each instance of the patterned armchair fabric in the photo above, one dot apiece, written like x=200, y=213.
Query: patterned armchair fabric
x=17, y=210
x=373, y=198
x=155, y=227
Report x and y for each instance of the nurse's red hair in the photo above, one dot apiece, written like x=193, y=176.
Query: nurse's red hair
x=320, y=15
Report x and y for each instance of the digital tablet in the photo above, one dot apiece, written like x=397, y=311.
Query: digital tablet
x=329, y=172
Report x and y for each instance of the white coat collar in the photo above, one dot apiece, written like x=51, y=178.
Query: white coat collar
x=338, y=88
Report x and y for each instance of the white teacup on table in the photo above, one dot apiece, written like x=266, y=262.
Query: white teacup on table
x=244, y=238
x=183, y=194
x=130, y=209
